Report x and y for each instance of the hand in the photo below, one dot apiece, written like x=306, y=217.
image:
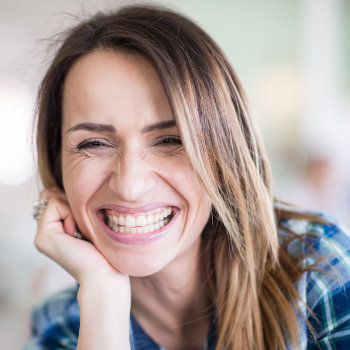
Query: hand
x=55, y=238
x=104, y=295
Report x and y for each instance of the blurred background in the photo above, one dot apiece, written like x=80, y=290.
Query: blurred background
x=293, y=58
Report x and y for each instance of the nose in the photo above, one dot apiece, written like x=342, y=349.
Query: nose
x=132, y=177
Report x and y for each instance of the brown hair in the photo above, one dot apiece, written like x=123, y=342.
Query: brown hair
x=250, y=275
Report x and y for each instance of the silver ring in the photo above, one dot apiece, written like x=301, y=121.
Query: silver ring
x=38, y=208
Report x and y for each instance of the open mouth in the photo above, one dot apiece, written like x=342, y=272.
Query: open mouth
x=138, y=223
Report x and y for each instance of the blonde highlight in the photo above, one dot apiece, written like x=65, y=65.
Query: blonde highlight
x=250, y=277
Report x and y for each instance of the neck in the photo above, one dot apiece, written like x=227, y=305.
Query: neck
x=174, y=296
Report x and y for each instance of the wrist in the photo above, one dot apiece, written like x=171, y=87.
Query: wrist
x=104, y=315
x=112, y=292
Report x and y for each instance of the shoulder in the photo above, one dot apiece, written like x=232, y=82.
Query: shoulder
x=323, y=245
x=55, y=322
x=322, y=241
x=314, y=235
x=324, y=249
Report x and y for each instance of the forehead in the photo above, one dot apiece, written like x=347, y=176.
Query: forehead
x=105, y=84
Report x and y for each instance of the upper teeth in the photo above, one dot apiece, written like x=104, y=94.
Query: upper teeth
x=137, y=220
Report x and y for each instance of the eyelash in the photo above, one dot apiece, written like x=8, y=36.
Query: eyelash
x=168, y=141
x=97, y=143
x=91, y=143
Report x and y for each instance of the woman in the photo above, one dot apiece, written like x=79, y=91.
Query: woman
x=147, y=152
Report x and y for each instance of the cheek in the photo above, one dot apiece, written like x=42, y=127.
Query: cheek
x=81, y=180
x=182, y=178
x=82, y=175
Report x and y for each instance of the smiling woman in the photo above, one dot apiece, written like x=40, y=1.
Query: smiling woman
x=125, y=173
x=148, y=153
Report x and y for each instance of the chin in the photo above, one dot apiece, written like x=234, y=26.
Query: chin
x=143, y=269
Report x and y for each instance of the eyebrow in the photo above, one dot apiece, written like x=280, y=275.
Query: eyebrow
x=93, y=127
x=110, y=128
x=158, y=126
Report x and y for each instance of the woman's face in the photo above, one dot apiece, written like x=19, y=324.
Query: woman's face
x=128, y=181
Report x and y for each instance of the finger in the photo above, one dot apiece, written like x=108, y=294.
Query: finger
x=66, y=251
x=68, y=220
x=56, y=218
x=53, y=192
x=66, y=216
x=54, y=238
x=69, y=225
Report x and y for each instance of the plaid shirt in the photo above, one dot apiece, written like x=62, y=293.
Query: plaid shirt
x=55, y=323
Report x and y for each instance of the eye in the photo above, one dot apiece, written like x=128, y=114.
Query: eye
x=94, y=148
x=92, y=144
x=168, y=141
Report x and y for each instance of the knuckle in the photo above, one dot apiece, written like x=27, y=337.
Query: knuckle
x=54, y=201
x=45, y=193
x=53, y=193
x=39, y=243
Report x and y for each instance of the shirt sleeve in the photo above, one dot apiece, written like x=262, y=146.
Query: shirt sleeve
x=55, y=323
x=328, y=287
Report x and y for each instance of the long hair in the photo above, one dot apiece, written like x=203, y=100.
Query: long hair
x=249, y=276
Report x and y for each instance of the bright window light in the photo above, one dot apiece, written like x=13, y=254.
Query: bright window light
x=16, y=111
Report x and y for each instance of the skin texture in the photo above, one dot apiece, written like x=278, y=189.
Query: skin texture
x=131, y=167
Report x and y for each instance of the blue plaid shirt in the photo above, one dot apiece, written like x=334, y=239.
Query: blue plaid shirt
x=55, y=323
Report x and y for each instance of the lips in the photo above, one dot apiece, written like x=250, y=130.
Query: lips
x=137, y=225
